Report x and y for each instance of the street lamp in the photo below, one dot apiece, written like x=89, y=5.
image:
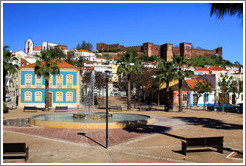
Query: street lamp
x=107, y=75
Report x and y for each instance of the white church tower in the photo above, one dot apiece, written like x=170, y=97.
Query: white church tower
x=29, y=44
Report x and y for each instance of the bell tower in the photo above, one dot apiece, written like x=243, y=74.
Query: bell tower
x=29, y=46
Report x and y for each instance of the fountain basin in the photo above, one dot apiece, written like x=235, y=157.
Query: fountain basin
x=66, y=121
x=89, y=115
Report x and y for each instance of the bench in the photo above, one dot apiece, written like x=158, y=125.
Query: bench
x=61, y=108
x=203, y=142
x=145, y=107
x=13, y=150
x=32, y=108
x=115, y=107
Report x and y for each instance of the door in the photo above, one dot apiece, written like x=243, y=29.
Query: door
x=225, y=98
x=50, y=99
x=195, y=99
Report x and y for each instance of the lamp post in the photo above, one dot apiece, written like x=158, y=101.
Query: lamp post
x=107, y=74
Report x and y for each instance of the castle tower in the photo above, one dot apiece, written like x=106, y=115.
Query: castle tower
x=167, y=51
x=186, y=50
x=219, y=51
x=147, y=49
x=29, y=44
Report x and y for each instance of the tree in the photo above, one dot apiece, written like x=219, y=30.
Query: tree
x=8, y=67
x=225, y=86
x=179, y=61
x=222, y=9
x=128, y=64
x=166, y=73
x=46, y=64
x=203, y=87
x=84, y=45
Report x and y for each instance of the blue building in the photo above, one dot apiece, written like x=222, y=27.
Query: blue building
x=64, y=88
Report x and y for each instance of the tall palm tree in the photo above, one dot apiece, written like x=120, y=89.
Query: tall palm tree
x=128, y=64
x=8, y=67
x=166, y=73
x=46, y=64
x=221, y=9
x=203, y=87
x=181, y=74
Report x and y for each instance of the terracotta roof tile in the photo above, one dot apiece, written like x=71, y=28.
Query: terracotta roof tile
x=217, y=68
x=38, y=48
x=61, y=64
x=193, y=82
x=82, y=50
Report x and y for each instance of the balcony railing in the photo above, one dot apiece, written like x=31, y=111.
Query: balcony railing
x=38, y=85
x=28, y=85
x=69, y=85
x=59, y=85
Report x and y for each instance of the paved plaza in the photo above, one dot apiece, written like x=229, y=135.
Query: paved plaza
x=156, y=143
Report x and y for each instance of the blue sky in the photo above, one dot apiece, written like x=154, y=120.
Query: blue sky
x=128, y=24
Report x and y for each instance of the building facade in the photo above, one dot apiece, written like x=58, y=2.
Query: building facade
x=64, y=88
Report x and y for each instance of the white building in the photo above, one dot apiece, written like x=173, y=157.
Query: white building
x=86, y=54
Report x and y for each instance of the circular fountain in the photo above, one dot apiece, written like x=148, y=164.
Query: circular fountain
x=67, y=121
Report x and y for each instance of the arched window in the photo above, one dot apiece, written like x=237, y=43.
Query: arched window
x=28, y=80
x=69, y=79
x=38, y=96
x=59, y=96
x=38, y=81
x=28, y=96
x=69, y=96
x=59, y=81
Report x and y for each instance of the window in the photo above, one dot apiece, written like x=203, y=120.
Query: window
x=28, y=80
x=59, y=81
x=184, y=97
x=59, y=96
x=28, y=96
x=38, y=96
x=195, y=99
x=69, y=78
x=242, y=97
x=38, y=81
x=69, y=96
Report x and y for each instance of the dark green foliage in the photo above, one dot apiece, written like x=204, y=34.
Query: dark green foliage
x=211, y=61
x=84, y=45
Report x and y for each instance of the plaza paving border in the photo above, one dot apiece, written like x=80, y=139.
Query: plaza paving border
x=149, y=146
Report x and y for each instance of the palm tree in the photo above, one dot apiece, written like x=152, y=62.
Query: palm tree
x=8, y=67
x=203, y=87
x=225, y=86
x=166, y=73
x=179, y=61
x=221, y=9
x=47, y=64
x=128, y=64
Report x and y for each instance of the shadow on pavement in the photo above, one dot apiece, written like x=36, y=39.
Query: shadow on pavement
x=84, y=134
x=210, y=123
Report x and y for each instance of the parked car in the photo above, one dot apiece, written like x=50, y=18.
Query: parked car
x=239, y=108
x=218, y=107
x=8, y=99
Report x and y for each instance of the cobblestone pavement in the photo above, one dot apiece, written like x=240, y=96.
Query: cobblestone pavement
x=156, y=143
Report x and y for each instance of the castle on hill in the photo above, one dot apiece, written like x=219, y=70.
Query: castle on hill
x=165, y=51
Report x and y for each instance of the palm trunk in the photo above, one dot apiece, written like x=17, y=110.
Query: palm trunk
x=167, y=96
x=46, y=95
x=4, y=87
x=158, y=98
x=129, y=92
x=204, y=101
x=180, y=95
x=188, y=102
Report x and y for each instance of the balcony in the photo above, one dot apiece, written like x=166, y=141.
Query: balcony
x=69, y=85
x=59, y=85
x=28, y=85
x=38, y=85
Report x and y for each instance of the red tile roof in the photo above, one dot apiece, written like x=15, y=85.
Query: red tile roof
x=193, y=82
x=23, y=61
x=37, y=48
x=82, y=50
x=61, y=64
x=201, y=69
x=217, y=68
